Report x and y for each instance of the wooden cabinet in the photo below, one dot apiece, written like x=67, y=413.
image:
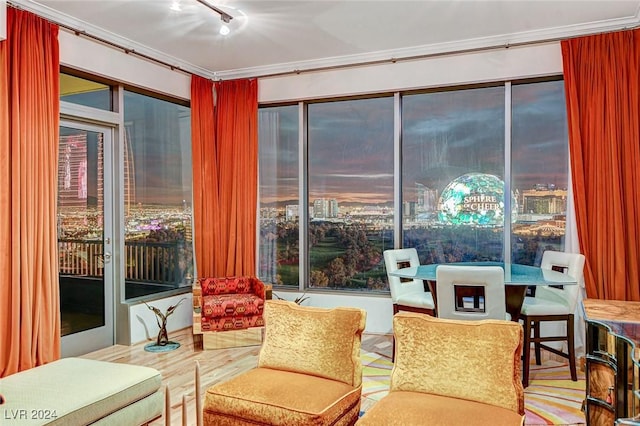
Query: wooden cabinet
x=612, y=362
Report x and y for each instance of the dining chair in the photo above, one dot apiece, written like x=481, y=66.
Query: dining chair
x=407, y=294
x=552, y=304
x=468, y=292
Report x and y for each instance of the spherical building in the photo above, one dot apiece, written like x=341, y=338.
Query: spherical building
x=474, y=199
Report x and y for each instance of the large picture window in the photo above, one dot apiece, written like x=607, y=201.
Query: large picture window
x=279, y=204
x=350, y=192
x=482, y=175
x=540, y=175
x=157, y=195
x=453, y=174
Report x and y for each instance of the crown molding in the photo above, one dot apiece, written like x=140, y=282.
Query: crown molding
x=424, y=51
x=82, y=28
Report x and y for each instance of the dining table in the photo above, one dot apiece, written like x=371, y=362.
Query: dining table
x=517, y=278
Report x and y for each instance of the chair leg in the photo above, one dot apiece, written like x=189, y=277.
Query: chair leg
x=571, y=348
x=198, y=396
x=536, y=342
x=526, y=351
x=393, y=348
x=393, y=337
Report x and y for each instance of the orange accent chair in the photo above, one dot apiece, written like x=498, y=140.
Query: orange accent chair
x=231, y=303
x=309, y=371
x=452, y=372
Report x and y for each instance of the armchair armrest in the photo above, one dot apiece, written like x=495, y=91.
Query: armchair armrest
x=257, y=287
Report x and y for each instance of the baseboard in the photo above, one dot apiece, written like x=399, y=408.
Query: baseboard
x=232, y=338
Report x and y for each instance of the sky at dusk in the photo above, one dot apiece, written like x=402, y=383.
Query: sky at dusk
x=444, y=135
x=158, y=140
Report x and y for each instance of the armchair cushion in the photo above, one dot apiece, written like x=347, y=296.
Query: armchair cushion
x=309, y=340
x=416, y=408
x=267, y=396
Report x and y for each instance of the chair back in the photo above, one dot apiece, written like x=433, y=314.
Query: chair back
x=310, y=340
x=231, y=285
x=472, y=360
x=568, y=263
x=468, y=292
x=397, y=259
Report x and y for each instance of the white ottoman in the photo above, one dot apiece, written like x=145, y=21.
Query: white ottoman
x=78, y=391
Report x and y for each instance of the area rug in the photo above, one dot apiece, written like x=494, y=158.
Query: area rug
x=551, y=398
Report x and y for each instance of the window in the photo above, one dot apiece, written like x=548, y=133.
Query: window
x=279, y=203
x=539, y=160
x=350, y=192
x=453, y=174
x=157, y=195
x=456, y=163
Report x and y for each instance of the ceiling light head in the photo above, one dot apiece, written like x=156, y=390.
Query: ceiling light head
x=226, y=18
x=175, y=6
x=224, y=30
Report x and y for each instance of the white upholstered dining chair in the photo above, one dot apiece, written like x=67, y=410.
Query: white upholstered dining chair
x=552, y=304
x=467, y=292
x=407, y=294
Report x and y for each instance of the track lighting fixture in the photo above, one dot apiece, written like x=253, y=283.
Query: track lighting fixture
x=224, y=16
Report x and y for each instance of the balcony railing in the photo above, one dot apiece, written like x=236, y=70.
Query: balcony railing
x=145, y=262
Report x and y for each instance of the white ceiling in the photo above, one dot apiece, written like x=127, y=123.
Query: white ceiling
x=275, y=37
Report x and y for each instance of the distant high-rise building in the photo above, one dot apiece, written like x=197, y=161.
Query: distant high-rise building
x=333, y=208
x=325, y=208
x=129, y=174
x=427, y=199
x=409, y=209
x=291, y=211
x=543, y=201
x=72, y=171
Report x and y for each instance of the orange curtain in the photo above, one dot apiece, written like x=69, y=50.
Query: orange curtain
x=602, y=76
x=29, y=118
x=205, y=175
x=225, y=169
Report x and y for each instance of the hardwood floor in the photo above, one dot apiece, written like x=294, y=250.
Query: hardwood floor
x=178, y=367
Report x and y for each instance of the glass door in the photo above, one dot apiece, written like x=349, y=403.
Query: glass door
x=85, y=238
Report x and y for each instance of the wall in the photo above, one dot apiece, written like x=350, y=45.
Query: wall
x=468, y=68
x=464, y=68
x=86, y=55
x=379, y=308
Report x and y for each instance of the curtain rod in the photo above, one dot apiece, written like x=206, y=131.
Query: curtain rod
x=109, y=43
x=182, y=69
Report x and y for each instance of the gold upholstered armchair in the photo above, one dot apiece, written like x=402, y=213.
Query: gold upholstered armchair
x=309, y=371
x=452, y=372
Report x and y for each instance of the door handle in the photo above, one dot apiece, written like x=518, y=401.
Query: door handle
x=107, y=256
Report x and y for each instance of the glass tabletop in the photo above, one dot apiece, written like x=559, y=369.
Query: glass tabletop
x=514, y=273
